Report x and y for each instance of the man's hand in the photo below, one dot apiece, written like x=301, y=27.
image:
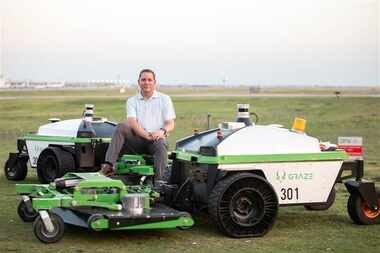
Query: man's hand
x=158, y=135
x=107, y=170
x=148, y=136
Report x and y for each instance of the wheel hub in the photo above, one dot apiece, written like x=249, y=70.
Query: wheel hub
x=11, y=171
x=246, y=207
x=370, y=213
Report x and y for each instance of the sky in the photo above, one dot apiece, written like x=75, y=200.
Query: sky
x=272, y=42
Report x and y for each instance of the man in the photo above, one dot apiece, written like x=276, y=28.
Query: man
x=150, y=117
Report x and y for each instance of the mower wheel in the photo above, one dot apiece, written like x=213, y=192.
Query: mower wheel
x=46, y=236
x=183, y=228
x=16, y=170
x=93, y=219
x=323, y=206
x=243, y=205
x=359, y=210
x=25, y=213
x=53, y=163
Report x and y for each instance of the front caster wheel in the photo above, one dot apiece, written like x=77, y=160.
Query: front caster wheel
x=15, y=170
x=51, y=235
x=360, y=212
x=26, y=213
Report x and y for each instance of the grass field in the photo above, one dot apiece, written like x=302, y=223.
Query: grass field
x=296, y=230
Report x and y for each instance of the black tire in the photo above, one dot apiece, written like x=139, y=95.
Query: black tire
x=16, y=170
x=53, y=163
x=24, y=213
x=243, y=205
x=323, y=206
x=359, y=211
x=49, y=237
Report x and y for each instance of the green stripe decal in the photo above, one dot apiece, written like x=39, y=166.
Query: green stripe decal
x=34, y=137
x=233, y=159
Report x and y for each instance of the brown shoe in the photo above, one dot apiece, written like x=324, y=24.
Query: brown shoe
x=107, y=169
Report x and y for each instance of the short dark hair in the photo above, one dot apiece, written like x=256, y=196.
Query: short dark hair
x=147, y=71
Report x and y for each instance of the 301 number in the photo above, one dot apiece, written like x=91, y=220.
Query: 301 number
x=289, y=193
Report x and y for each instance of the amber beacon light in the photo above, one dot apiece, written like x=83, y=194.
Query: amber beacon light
x=299, y=125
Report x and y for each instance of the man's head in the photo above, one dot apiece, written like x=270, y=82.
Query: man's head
x=147, y=82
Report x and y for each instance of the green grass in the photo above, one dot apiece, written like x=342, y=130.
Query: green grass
x=296, y=230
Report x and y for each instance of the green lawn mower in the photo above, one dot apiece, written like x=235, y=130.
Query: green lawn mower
x=90, y=200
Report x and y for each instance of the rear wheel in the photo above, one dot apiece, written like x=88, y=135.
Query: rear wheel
x=46, y=236
x=16, y=170
x=54, y=163
x=359, y=210
x=324, y=206
x=243, y=205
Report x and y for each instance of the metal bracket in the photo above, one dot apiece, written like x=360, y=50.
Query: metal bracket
x=355, y=166
x=46, y=221
x=142, y=180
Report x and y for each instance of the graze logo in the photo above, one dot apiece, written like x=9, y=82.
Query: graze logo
x=292, y=176
x=280, y=176
x=38, y=148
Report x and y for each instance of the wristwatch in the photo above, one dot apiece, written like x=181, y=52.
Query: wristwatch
x=165, y=131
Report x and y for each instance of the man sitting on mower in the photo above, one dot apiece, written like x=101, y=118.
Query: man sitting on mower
x=150, y=117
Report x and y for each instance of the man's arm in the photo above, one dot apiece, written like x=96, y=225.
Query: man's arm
x=169, y=116
x=169, y=125
x=132, y=122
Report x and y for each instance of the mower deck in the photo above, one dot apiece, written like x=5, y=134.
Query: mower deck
x=158, y=217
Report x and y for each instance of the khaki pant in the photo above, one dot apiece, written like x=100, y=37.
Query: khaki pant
x=125, y=141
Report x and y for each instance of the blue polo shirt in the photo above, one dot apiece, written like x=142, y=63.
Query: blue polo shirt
x=152, y=113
